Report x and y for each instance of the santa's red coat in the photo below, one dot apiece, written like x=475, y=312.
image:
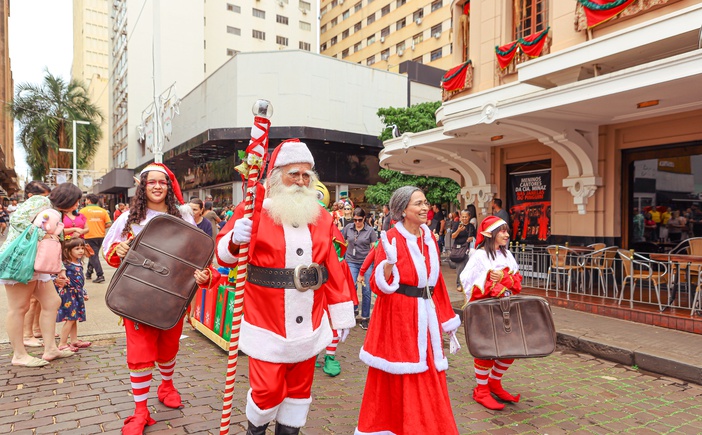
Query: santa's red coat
x=286, y=325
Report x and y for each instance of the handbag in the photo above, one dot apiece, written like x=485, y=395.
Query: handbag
x=89, y=251
x=155, y=283
x=458, y=252
x=509, y=327
x=17, y=260
x=48, y=258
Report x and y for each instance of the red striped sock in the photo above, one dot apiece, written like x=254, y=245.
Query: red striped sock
x=167, y=370
x=482, y=370
x=141, y=382
x=331, y=349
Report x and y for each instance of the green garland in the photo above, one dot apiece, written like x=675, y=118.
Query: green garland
x=505, y=53
x=445, y=79
x=605, y=7
x=537, y=39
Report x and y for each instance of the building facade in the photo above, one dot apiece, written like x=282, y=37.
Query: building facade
x=8, y=176
x=603, y=107
x=385, y=34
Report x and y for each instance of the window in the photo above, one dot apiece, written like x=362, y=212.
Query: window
x=234, y=30
x=436, y=54
x=305, y=6
x=231, y=52
x=385, y=10
x=323, y=47
x=334, y=3
x=357, y=47
x=436, y=30
x=345, y=34
x=371, y=60
x=332, y=41
x=257, y=34
x=281, y=19
x=385, y=32
x=357, y=27
x=437, y=5
x=418, y=59
x=306, y=26
x=418, y=15
x=400, y=46
x=370, y=40
x=233, y=8
x=385, y=54
x=401, y=24
x=357, y=7
x=370, y=19
x=259, y=13
x=419, y=37
x=345, y=53
x=322, y=29
x=281, y=40
x=345, y=14
x=531, y=17
x=333, y=22
x=305, y=46
x=399, y=3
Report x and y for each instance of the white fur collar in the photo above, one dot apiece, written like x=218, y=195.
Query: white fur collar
x=420, y=266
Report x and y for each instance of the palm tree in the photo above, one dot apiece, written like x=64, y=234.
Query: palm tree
x=45, y=113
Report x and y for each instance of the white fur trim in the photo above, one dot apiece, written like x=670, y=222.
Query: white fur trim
x=451, y=324
x=223, y=253
x=297, y=303
x=293, y=412
x=293, y=152
x=268, y=346
x=382, y=432
x=437, y=344
x=424, y=278
x=342, y=315
x=380, y=278
x=256, y=415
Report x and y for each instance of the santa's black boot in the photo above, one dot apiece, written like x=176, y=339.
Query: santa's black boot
x=281, y=429
x=256, y=430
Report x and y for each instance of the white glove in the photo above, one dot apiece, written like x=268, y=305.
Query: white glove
x=343, y=333
x=454, y=345
x=242, y=231
x=390, y=249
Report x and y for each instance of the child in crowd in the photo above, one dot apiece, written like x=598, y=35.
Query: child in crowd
x=72, y=309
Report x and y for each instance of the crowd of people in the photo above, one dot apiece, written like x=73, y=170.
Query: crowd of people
x=664, y=224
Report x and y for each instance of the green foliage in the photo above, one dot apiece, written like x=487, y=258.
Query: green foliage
x=412, y=119
x=45, y=113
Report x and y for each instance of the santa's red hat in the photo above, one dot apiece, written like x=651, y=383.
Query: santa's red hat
x=487, y=226
x=160, y=167
x=289, y=152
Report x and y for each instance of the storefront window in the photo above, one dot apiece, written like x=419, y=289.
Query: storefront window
x=665, y=196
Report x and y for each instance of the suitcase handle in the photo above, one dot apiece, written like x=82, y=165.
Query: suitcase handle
x=506, y=320
x=137, y=260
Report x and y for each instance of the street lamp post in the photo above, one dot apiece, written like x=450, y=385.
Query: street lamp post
x=74, y=150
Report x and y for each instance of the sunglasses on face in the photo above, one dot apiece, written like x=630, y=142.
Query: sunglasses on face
x=358, y=220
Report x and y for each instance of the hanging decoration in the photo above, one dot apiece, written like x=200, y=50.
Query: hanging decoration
x=531, y=45
x=585, y=16
x=466, y=8
x=457, y=79
x=599, y=11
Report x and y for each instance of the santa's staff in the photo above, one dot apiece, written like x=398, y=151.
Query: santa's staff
x=253, y=165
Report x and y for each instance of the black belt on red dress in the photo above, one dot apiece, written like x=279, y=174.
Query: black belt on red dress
x=302, y=277
x=415, y=292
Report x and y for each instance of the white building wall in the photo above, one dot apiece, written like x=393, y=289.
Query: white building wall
x=305, y=89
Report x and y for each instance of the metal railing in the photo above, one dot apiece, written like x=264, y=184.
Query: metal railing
x=661, y=280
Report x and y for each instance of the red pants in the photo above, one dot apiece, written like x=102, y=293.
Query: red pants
x=147, y=345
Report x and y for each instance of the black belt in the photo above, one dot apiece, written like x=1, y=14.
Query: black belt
x=302, y=277
x=415, y=292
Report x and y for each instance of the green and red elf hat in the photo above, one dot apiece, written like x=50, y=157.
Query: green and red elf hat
x=160, y=167
x=487, y=226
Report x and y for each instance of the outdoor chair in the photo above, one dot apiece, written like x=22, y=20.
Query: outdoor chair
x=696, y=305
x=563, y=264
x=695, y=246
x=637, y=267
x=600, y=263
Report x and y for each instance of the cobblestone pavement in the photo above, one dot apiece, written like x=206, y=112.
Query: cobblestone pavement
x=565, y=393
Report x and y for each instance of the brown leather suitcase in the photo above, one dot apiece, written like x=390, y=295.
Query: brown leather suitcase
x=509, y=327
x=155, y=284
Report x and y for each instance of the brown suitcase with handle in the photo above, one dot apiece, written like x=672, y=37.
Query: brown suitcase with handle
x=155, y=283
x=509, y=327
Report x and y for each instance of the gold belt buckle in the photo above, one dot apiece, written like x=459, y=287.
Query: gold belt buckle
x=298, y=272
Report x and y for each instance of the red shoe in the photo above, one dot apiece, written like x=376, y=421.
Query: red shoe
x=169, y=396
x=496, y=389
x=481, y=394
x=135, y=424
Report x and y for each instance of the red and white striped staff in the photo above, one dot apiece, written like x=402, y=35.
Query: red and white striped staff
x=255, y=162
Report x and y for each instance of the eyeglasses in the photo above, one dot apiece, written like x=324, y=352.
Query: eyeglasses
x=154, y=183
x=298, y=175
x=358, y=220
x=347, y=208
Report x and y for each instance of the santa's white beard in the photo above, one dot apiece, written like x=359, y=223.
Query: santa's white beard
x=292, y=205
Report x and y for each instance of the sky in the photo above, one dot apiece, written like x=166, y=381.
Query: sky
x=41, y=37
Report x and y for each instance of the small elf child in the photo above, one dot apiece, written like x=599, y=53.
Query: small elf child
x=72, y=309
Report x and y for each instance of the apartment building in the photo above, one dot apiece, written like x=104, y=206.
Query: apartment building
x=91, y=62
x=383, y=34
x=8, y=176
x=604, y=105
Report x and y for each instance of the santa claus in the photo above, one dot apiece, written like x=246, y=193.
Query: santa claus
x=295, y=285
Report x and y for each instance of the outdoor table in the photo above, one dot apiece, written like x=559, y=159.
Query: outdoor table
x=681, y=261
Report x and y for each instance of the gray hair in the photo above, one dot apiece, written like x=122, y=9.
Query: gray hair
x=399, y=201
